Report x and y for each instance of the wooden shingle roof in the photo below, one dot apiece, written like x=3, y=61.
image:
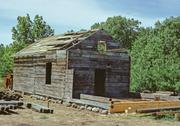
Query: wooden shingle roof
x=57, y=42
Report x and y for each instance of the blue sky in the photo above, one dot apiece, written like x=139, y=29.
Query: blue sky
x=63, y=15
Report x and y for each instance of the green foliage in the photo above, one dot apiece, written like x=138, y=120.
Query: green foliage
x=40, y=29
x=122, y=29
x=156, y=57
x=101, y=47
x=23, y=34
x=1, y=82
x=27, y=31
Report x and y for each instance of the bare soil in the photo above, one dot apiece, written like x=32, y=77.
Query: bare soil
x=67, y=116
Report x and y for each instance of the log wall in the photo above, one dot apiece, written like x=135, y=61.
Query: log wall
x=30, y=75
x=86, y=62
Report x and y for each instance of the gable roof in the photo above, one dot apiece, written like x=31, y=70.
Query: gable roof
x=57, y=42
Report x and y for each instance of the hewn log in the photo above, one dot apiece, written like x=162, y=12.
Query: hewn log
x=119, y=106
x=16, y=103
x=147, y=110
x=95, y=98
x=91, y=103
x=39, y=108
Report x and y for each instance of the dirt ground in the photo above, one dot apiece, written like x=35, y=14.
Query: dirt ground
x=66, y=116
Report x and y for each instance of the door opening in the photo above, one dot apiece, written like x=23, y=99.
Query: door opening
x=100, y=76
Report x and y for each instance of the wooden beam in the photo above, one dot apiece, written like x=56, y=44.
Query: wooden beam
x=147, y=110
x=91, y=103
x=95, y=98
x=161, y=96
x=133, y=106
x=16, y=103
x=39, y=108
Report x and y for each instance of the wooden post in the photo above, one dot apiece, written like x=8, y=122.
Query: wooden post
x=48, y=103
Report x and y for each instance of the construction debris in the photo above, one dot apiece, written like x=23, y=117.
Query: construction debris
x=9, y=95
x=107, y=105
x=39, y=108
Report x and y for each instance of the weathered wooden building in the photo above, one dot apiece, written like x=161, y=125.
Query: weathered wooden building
x=67, y=65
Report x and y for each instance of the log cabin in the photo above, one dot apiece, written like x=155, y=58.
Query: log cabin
x=64, y=66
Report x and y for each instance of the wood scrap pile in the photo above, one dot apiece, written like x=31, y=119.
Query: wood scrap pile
x=8, y=95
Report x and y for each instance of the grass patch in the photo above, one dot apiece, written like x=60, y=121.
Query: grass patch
x=167, y=118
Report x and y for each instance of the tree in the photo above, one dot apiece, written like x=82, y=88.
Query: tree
x=23, y=34
x=23, y=30
x=27, y=31
x=156, y=57
x=40, y=29
x=122, y=29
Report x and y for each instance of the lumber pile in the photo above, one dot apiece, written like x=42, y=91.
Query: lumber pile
x=107, y=105
x=6, y=105
x=39, y=108
x=9, y=95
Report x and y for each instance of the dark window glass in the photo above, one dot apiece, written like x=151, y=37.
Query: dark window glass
x=48, y=73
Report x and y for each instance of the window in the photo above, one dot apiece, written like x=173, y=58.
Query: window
x=48, y=72
x=101, y=47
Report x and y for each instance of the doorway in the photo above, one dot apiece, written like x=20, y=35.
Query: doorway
x=100, y=76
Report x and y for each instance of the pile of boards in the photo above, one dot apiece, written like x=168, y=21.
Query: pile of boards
x=9, y=100
x=127, y=105
x=8, y=95
x=5, y=106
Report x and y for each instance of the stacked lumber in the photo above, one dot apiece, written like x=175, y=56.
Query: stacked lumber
x=90, y=103
x=9, y=95
x=6, y=105
x=128, y=105
x=91, y=100
x=39, y=108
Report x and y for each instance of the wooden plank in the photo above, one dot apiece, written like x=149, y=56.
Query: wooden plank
x=147, y=110
x=91, y=103
x=133, y=106
x=161, y=96
x=39, y=108
x=95, y=98
x=16, y=103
